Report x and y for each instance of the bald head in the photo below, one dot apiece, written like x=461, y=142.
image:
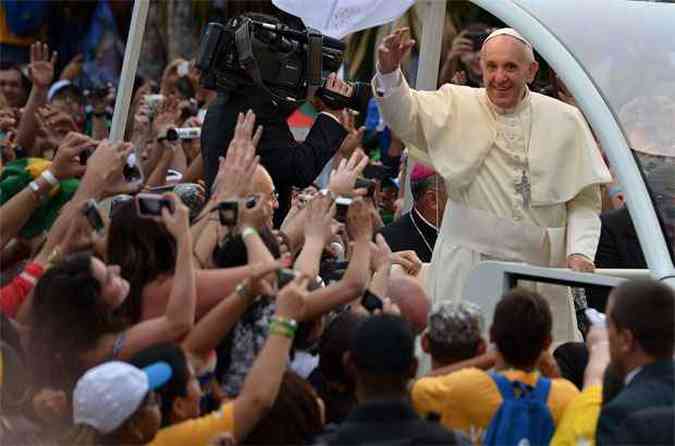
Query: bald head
x=411, y=299
x=262, y=182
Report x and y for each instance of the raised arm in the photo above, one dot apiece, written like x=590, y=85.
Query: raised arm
x=262, y=383
x=16, y=212
x=319, y=229
x=179, y=315
x=41, y=71
x=210, y=329
x=357, y=275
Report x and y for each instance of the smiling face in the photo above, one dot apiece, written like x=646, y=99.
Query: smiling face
x=507, y=69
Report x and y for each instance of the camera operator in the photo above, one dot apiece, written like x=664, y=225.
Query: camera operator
x=288, y=162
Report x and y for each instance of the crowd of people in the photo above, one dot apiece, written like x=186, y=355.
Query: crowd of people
x=211, y=279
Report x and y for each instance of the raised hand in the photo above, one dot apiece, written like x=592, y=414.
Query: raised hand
x=235, y=173
x=380, y=256
x=55, y=124
x=343, y=178
x=461, y=45
x=178, y=221
x=105, y=167
x=257, y=216
x=291, y=299
x=360, y=221
x=319, y=221
x=408, y=260
x=392, y=50
x=354, y=136
x=41, y=68
x=67, y=162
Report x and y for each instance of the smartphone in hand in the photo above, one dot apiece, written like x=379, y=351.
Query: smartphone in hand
x=151, y=205
x=371, y=302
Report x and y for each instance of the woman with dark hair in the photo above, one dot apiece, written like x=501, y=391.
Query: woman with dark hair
x=146, y=253
x=75, y=318
x=180, y=395
x=295, y=418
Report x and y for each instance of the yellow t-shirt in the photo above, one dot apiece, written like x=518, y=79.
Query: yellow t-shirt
x=198, y=431
x=580, y=419
x=467, y=400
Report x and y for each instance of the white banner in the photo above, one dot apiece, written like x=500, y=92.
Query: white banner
x=337, y=18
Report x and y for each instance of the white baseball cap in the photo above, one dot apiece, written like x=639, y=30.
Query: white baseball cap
x=108, y=394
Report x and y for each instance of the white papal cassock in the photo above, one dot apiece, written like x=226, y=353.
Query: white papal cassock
x=523, y=184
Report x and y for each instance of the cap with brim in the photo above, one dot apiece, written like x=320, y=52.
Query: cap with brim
x=108, y=394
x=58, y=86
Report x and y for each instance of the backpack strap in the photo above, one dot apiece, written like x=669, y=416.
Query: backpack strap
x=542, y=389
x=504, y=385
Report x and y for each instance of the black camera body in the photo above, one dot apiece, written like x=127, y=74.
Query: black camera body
x=285, y=62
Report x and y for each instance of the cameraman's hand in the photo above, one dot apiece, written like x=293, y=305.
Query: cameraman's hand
x=354, y=137
x=67, y=162
x=343, y=178
x=392, y=50
x=359, y=221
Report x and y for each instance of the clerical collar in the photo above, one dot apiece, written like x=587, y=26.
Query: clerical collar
x=507, y=111
x=424, y=220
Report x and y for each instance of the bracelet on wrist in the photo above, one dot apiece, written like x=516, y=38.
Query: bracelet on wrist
x=288, y=323
x=277, y=328
x=49, y=178
x=248, y=231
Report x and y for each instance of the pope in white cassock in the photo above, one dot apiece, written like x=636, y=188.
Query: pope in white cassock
x=522, y=170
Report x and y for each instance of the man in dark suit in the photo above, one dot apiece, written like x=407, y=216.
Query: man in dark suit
x=641, y=335
x=619, y=246
x=288, y=162
x=417, y=230
x=382, y=360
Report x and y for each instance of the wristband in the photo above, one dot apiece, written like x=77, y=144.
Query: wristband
x=329, y=193
x=288, y=323
x=49, y=178
x=277, y=328
x=35, y=190
x=248, y=231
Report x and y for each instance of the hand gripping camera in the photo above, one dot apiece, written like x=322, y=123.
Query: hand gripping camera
x=286, y=63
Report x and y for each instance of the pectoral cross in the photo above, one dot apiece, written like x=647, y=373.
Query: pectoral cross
x=523, y=188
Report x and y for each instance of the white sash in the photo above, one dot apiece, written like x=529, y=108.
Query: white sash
x=503, y=238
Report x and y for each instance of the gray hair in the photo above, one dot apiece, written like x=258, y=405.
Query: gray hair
x=455, y=323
